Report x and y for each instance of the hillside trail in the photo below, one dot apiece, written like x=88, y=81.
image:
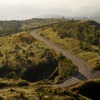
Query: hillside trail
x=84, y=71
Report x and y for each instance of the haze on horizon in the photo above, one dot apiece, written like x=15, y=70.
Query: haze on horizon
x=25, y=9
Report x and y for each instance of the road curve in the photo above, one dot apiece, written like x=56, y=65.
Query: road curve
x=84, y=69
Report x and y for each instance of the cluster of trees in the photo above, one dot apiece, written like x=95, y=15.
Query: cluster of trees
x=9, y=27
x=88, y=31
x=66, y=69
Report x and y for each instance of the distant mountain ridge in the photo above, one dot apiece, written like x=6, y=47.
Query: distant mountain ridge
x=97, y=18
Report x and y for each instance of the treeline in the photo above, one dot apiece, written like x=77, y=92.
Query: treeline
x=15, y=26
x=9, y=27
x=37, y=22
x=87, y=31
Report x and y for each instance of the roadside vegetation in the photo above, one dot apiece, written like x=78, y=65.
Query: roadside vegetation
x=14, y=89
x=22, y=56
x=69, y=36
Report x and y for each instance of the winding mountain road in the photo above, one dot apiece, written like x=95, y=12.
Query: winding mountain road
x=84, y=71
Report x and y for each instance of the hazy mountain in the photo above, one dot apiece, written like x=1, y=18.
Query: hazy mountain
x=51, y=16
x=96, y=18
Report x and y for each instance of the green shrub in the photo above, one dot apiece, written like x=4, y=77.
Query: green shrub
x=66, y=70
x=22, y=83
x=11, y=75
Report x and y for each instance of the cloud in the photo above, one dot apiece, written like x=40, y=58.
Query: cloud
x=23, y=9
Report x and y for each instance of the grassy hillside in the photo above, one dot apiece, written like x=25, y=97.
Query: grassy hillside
x=28, y=67
x=24, y=57
x=83, y=49
x=88, y=31
x=13, y=89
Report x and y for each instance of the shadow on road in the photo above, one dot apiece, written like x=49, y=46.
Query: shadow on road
x=80, y=76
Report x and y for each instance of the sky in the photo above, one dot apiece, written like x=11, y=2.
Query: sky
x=26, y=9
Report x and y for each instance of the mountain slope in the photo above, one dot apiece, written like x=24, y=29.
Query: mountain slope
x=88, y=31
x=24, y=57
x=68, y=36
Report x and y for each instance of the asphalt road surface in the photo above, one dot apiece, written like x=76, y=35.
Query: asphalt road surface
x=84, y=71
